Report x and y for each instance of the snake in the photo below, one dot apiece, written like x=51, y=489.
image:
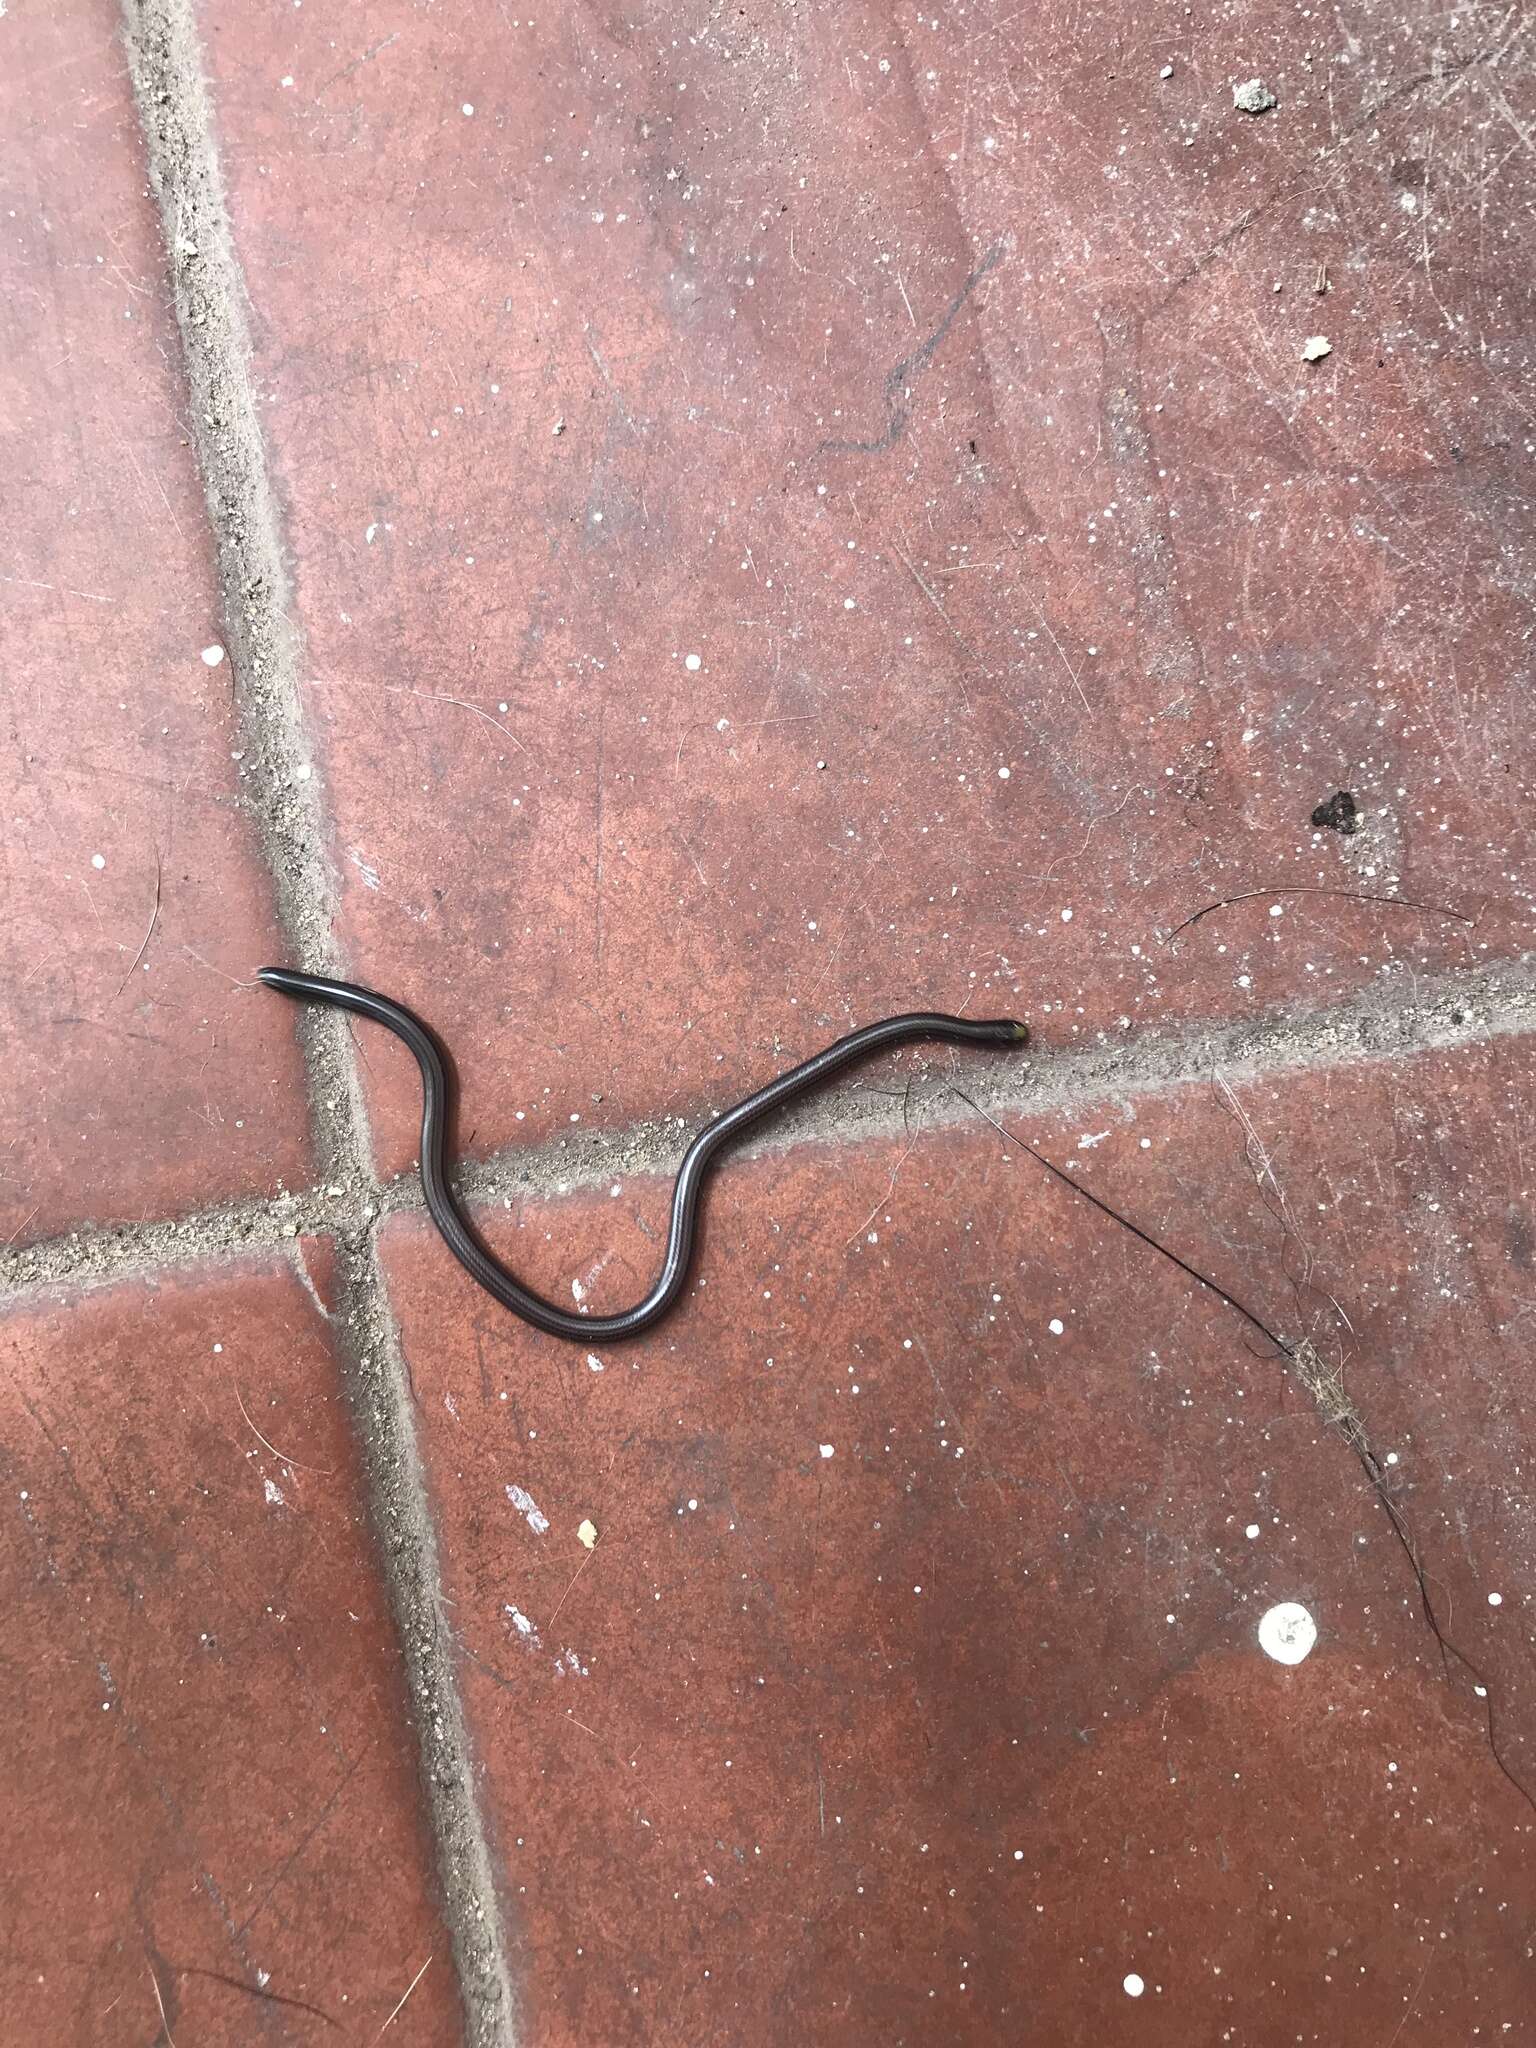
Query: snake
x=459, y=1233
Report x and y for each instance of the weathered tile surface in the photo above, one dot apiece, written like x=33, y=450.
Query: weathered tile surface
x=806, y=514
x=139, y=1079
x=792, y=515
x=914, y=1685
x=210, y=1787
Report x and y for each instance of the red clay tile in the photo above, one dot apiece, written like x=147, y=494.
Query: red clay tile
x=139, y=1079
x=778, y=542
x=914, y=1687
x=209, y=1780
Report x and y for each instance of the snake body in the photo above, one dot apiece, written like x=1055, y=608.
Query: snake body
x=458, y=1232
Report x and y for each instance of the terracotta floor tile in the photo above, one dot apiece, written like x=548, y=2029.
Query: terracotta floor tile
x=139, y=1080
x=914, y=1689
x=778, y=542
x=208, y=1775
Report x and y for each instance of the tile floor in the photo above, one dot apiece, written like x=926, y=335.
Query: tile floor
x=658, y=536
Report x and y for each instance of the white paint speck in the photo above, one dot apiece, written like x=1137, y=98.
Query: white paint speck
x=529, y=1509
x=213, y=655
x=524, y=1627
x=1287, y=1633
x=693, y=661
x=828, y=1449
x=1252, y=1532
x=595, y=1364
x=274, y=1494
x=98, y=860
x=1134, y=1985
x=1056, y=1326
x=467, y=109
x=1066, y=917
x=1495, y=1599
x=586, y=1534
x=1003, y=774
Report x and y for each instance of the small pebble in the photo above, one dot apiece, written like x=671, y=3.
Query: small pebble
x=1253, y=96
x=1316, y=347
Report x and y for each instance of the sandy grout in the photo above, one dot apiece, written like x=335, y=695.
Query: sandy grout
x=281, y=797
x=1452, y=1012
x=1458, y=1010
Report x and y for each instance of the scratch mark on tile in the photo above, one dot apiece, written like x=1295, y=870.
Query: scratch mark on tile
x=901, y=380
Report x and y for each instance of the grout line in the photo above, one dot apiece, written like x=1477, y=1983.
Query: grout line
x=1444, y=1013
x=282, y=798
x=1441, y=1013
x=102, y=1254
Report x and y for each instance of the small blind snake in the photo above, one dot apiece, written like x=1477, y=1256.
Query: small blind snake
x=459, y=1233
